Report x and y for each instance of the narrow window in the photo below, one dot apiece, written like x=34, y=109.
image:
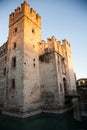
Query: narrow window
x=61, y=88
x=13, y=83
x=14, y=45
x=65, y=85
x=15, y=29
x=34, y=59
x=34, y=65
x=63, y=65
x=33, y=46
x=4, y=71
x=14, y=62
x=32, y=30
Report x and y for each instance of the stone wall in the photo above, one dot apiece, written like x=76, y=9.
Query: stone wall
x=2, y=79
x=3, y=61
x=38, y=73
x=24, y=34
x=32, y=35
x=55, y=73
x=14, y=80
x=51, y=97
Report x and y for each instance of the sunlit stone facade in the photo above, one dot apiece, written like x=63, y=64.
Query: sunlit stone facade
x=34, y=74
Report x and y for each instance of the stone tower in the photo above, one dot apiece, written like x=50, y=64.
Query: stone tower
x=56, y=70
x=35, y=76
x=22, y=81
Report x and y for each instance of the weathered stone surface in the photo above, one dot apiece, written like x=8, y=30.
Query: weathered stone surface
x=2, y=79
x=38, y=74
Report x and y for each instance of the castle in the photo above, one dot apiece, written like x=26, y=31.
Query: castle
x=35, y=75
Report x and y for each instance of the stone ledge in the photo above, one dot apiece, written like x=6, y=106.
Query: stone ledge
x=22, y=115
x=33, y=113
x=57, y=111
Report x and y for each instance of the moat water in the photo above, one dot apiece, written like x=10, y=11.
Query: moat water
x=43, y=122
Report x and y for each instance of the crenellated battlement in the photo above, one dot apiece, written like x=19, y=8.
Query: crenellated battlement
x=66, y=45
x=65, y=42
x=53, y=44
x=25, y=10
x=24, y=6
x=32, y=12
x=3, y=49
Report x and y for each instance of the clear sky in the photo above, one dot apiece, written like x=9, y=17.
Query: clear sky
x=61, y=18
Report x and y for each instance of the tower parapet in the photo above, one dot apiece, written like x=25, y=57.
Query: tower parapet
x=53, y=44
x=66, y=45
x=25, y=10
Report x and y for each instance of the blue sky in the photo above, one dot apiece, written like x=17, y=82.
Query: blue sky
x=61, y=18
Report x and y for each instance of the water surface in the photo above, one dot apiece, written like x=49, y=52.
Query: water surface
x=43, y=122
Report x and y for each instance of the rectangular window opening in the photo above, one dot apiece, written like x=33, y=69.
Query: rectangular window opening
x=13, y=83
x=14, y=62
x=14, y=45
x=15, y=29
x=4, y=71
